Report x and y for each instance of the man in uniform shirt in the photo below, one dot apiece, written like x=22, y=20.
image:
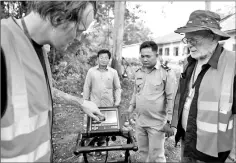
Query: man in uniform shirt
x=153, y=99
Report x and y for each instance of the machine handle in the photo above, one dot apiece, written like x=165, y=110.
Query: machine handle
x=133, y=140
x=87, y=149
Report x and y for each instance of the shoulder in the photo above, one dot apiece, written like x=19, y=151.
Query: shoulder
x=165, y=67
x=92, y=69
x=5, y=30
x=230, y=58
x=138, y=70
x=168, y=72
x=6, y=25
x=228, y=52
x=4, y=22
x=112, y=70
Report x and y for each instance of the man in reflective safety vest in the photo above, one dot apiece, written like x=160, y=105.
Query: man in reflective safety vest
x=205, y=103
x=27, y=111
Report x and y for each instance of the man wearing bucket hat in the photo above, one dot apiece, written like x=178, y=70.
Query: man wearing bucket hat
x=205, y=104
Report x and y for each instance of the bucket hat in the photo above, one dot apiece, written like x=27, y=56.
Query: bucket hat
x=203, y=20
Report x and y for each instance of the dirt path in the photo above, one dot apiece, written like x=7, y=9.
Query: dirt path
x=68, y=122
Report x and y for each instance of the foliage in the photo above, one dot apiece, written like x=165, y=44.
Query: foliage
x=13, y=8
x=99, y=36
x=133, y=61
x=226, y=10
x=69, y=68
x=136, y=33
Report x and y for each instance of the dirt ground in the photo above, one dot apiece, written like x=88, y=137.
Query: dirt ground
x=68, y=121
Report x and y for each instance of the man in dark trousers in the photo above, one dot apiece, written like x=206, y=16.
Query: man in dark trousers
x=205, y=105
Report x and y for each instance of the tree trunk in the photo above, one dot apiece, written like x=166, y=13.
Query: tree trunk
x=118, y=36
x=207, y=5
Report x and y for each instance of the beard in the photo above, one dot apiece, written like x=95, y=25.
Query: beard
x=201, y=56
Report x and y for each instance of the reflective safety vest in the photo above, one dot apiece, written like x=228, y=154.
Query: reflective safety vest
x=214, y=117
x=26, y=124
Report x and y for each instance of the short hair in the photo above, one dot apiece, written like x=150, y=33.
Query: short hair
x=149, y=44
x=62, y=11
x=102, y=51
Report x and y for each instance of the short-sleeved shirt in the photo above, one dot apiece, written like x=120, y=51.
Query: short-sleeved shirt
x=154, y=96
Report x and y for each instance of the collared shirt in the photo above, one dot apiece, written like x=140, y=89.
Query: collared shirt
x=99, y=86
x=153, y=96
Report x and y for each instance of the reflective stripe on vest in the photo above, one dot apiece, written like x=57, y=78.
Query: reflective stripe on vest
x=33, y=156
x=214, y=117
x=25, y=128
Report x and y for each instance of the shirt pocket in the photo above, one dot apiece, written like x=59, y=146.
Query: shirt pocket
x=139, y=84
x=108, y=83
x=155, y=86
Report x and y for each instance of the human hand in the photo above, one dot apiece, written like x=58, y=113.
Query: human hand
x=168, y=130
x=92, y=110
x=130, y=109
x=175, y=130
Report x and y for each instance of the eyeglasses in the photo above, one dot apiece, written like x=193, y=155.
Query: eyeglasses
x=192, y=41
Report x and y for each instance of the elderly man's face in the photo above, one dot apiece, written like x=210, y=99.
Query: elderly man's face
x=199, y=43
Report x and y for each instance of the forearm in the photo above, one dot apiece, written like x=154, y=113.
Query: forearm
x=86, y=93
x=174, y=120
x=234, y=96
x=117, y=96
x=133, y=100
x=169, y=109
x=87, y=86
x=116, y=85
x=170, y=91
x=65, y=98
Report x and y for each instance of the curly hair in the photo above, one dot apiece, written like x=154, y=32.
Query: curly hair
x=60, y=12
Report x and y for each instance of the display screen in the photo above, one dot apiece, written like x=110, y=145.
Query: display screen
x=109, y=123
x=111, y=116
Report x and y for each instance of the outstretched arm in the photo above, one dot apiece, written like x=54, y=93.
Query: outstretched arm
x=88, y=107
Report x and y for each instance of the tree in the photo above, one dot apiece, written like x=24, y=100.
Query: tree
x=136, y=33
x=226, y=10
x=73, y=64
x=13, y=8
